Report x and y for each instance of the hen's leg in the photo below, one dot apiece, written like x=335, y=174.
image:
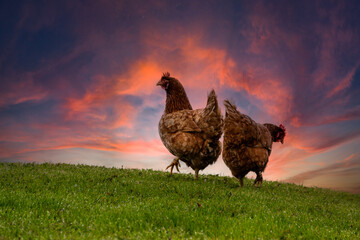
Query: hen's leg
x=175, y=163
x=259, y=179
x=196, y=173
x=241, y=181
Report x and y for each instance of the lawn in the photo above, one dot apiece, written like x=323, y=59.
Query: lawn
x=47, y=201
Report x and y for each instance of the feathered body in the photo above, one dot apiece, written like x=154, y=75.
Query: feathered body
x=247, y=144
x=190, y=135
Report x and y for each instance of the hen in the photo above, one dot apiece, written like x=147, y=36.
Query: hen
x=247, y=144
x=190, y=135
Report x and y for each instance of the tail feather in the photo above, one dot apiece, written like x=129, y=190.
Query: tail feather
x=212, y=103
x=230, y=108
x=212, y=116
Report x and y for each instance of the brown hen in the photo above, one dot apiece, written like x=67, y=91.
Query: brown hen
x=247, y=144
x=190, y=135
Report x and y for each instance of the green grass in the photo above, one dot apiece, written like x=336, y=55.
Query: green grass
x=62, y=201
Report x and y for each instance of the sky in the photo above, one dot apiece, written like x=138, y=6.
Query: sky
x=77, y=80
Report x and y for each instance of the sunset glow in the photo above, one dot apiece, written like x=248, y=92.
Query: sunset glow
x=78, y=81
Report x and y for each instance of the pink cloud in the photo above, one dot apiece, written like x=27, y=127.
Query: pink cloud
x=343, y=83
x=24, y=90
x=344, y=170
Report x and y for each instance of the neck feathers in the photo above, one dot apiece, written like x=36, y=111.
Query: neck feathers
x=273, y=129
x=176, y=100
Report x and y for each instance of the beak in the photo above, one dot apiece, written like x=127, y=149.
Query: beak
x=158, y=83
x=282, y=141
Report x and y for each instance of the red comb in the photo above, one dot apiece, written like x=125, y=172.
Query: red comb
x=166, y=74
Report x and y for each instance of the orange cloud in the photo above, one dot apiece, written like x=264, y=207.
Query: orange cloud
x=91, y=108
x=276, y=98
x=152, y=148
x=141, y=78
x=184, y=55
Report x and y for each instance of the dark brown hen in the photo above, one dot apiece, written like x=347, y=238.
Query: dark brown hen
x=191, y=135
x=247, y=144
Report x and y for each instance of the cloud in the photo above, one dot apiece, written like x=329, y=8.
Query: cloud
x=343, y=83
x=152, y=147
x=352, y=161
x=346, y=169
x=22, y=91
x=85, y=81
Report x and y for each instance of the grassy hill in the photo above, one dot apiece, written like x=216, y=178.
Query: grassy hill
x=68, y=202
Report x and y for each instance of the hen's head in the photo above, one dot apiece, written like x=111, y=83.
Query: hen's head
x=176, y=98
x=169, y=83
x=281, y=134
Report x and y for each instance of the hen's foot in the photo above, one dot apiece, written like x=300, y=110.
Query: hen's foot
x=258, y=181
x=175, y=163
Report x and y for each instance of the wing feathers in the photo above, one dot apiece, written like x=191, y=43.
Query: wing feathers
x=180, y=121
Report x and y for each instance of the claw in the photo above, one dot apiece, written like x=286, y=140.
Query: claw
x=259, y=179
x=177, y=166
x=175, y=163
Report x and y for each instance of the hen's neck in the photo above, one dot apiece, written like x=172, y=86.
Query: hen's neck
x=273, y=129
x=176, y=101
